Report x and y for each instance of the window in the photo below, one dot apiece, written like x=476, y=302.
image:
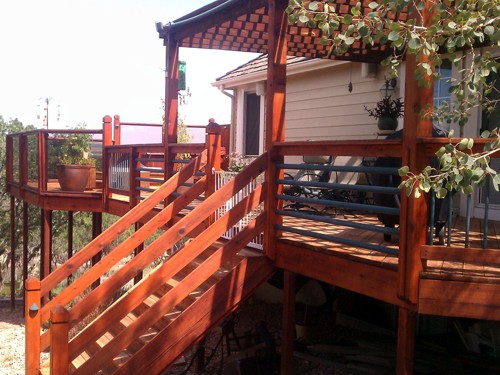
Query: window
x=252, y=125
x=442, y=85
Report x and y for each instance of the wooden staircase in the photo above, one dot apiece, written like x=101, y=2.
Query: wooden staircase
x=155, y=320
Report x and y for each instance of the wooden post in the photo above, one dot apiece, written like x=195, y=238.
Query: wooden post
x=42, y=161
x=275, y=113
x=118, y=130
x=32, y=329
x=213, y=145
x=59, y=347
x=70, y=240
x=107, y=141
x=46, y=242
x=413, y=217
x=12, y=252
x=9, y=168
x=23, y=162
x=96, y=230
x=406, y=341
x=288, y=335
x=171, y=101
x=107, y=132
x=25, y=251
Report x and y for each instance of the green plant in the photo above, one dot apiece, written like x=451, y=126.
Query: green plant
x=387, y=107
x=237, y=162
x=76, y=150
x=459, y=168
x=434, y=28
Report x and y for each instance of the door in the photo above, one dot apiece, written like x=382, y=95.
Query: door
x=251, y=141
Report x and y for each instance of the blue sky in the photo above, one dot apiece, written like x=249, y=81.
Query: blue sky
x=99, y=57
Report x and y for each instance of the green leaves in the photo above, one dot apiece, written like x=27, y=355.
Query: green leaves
x=454, y=26
x=459, y=169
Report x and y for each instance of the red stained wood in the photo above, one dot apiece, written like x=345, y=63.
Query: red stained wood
x=407, y=322
x=209, y=309
x=122, y=224
x=174, y=296
x=59, y=330
x=32, y=330
x=461, y=254
x=346, y=148
x=460, y=299
x=362, y=278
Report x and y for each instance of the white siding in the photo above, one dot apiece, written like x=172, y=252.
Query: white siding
x=320, y=106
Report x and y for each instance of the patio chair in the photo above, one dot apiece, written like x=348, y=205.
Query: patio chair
x=340, y=179
x=307, y=175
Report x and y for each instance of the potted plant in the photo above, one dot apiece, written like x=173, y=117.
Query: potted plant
x=387, y=111
x=76, y=169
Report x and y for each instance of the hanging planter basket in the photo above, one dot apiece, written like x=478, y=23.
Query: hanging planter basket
x=387, y=123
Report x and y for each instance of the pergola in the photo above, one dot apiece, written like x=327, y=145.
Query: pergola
x=262, y=26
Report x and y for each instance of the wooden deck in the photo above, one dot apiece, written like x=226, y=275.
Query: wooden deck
x=441, y=269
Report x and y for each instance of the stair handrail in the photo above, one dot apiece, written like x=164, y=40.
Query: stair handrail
x=178, y=230
x=163, y=273
x=122, y=224
x=185, y=225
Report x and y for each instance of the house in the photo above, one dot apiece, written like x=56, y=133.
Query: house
x=136, y=306
x=327, y=99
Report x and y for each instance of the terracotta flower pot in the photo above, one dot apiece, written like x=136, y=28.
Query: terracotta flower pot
x=73, y=177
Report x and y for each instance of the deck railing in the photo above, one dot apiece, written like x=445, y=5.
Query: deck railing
x=117, y=277
x=318, y=190
x=136, y=171
x=32, y=157
x=221, y=179
x=333, y=195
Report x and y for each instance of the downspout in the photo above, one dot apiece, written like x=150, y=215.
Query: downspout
x=233, y=117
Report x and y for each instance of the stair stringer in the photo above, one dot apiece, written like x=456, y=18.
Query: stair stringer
x=215, y=304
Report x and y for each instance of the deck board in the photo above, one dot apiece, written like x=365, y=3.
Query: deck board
x=445, y=269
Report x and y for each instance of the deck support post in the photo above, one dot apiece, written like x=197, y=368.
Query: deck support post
x=70, y=239
x=12, y=252
x=96, y=231
x=414, y=212
x=46, y=242
x=59, y=347
x=407, y=321
x=32, y=330
x=213, y=145
x=288, y=335
x=275, y=114
x=25, y=251
x=171, y=101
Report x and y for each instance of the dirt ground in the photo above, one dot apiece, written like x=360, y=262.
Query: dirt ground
x=245, y=325
x=11, y=341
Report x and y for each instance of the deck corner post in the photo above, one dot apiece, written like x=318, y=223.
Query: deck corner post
x=107, y=131
x=59, y=347
x=414, y=212
x=407, y=320
x=32, y=325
